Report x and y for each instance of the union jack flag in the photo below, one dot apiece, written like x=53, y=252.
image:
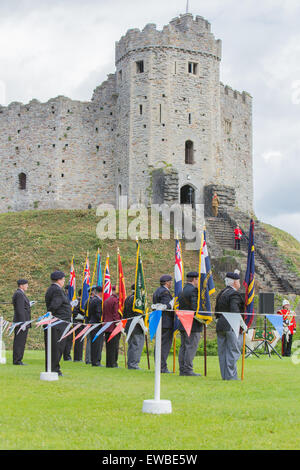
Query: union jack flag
x=106, y=281
x=85, y=284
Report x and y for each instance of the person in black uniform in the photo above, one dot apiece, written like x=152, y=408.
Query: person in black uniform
x=86, y=306
x=21, y=305
x=58, y=304
x=229, y=346
x=188, y=300
x=162, y=295
x=95, y=316
x=78, y=317
x=137, y=337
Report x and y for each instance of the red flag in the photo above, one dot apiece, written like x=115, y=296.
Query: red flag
x=122, y=289
x=119, y=327
x=186, y=319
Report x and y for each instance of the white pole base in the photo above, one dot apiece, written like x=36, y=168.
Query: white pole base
x=49, y=376
x=157, y=407
x=2, y=360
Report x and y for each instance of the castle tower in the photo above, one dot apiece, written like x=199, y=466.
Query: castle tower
x=168, y=87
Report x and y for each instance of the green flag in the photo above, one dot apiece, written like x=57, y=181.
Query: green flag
x=140, y=296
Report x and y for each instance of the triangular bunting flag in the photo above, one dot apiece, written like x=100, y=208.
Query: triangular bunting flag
x=277, y=322
x=133, y=324
x=118, y=329
x=89, y=331
x=82, y=332
x=234, y=320
x=102, y=330
x=186, y=319
x=70, y=332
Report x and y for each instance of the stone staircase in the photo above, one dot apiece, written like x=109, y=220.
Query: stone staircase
x=220, y=234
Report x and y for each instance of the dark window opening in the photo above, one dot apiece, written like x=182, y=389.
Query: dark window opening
x=22, y=181
x=189, y=152
x=141, y=109
x=140, y=66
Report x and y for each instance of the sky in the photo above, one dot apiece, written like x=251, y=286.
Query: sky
x=66, y=47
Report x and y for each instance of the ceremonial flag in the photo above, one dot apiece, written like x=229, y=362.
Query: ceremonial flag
x=99, y=272
x=106, y=281
x=85, y=284
x=249, y=281
x=122, y=289
x=140, y=298
x=206, y=285
x=178, y=279
x=72, y=283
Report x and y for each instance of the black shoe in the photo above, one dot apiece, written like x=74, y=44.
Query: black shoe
x=166, y=372
x=68, y=359
x=19, y=364
x=191, y=374
x=60, y=373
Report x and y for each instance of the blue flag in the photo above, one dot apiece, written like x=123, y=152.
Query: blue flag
x=249, y=281
x=154, y=319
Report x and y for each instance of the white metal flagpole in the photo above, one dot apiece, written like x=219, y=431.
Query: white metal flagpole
x=49, y=375
x=157, y=406
x=2, y=356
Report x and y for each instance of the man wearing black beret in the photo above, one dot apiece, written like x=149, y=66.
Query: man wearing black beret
x=21, y=314
x=162, y=295
x=188, y=300
x=229, y=346
x=58, y=304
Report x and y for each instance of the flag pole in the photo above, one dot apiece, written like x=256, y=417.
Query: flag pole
x=243, y=356
x=118, y=291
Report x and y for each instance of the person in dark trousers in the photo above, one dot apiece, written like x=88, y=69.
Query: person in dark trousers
x=162, y=295
x=69, y=339
x=111, y=314
x=188, y=300
x=229, y=346
x=95, y=316
x=78, y=317
x=137, y=337
x=58, y=304
x=91, y=291
x=22, y=313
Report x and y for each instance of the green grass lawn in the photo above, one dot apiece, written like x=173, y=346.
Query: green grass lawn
x=99, y=408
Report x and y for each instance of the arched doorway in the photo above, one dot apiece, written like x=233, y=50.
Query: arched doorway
x=187, y=195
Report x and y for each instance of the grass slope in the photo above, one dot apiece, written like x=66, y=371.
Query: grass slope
x=99, y=408
x=288, y=246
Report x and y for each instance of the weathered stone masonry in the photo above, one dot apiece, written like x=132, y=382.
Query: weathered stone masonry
x=163, y=109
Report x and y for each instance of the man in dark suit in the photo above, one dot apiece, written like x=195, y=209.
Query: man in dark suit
x=188, y=300
x=95, y=316
x=137, y=337
x=78, y=317
x=21, y=314
x=58, y=304
x=162, y=295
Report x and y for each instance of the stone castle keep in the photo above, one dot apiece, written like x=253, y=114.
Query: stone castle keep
x=162, y=128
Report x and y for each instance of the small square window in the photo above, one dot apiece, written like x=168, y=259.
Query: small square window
x=193, y=68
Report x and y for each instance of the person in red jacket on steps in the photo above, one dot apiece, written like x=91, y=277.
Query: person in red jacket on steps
x=237, y=238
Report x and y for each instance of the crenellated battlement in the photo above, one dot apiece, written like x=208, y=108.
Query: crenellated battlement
x=241, y=97
x=183, y=32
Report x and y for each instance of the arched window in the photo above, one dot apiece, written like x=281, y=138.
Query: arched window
x=22, y=181
x=189, y=152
